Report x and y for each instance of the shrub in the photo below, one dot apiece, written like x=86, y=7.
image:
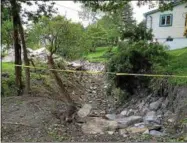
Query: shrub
x=138, y=57
x=8, y=86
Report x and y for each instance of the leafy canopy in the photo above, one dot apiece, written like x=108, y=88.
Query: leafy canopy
x=59, y=36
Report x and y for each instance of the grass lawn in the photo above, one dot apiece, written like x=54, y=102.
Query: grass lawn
x=99, y=54
x=178, y=61
x=178, y=64
x=7, y=67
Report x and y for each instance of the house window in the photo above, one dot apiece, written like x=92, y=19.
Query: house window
x=166, y=20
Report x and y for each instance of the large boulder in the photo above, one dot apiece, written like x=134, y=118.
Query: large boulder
x=128, y=121
x=40, y=54
x=155, y=105
x=99, y=126
x=128, y=112
x=124, y=112
x=151, y=118
x=165, y=103
x=140, y=125
x=156, y=133
x=111, y=116
x=87, y=65
x=84, y=111
x=136, y=129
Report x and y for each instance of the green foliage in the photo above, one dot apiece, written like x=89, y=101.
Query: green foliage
x=7, y=29
x=100, y=54
x=108, y=29
x=126, y=22
x=110, y=25
x=8, y=87
x=137, y=33
x=114, y=5
x=60, y=36
x=97, y=36
x=138, y=57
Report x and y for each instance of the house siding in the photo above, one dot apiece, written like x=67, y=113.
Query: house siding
x=176, y=31
x=175, y=44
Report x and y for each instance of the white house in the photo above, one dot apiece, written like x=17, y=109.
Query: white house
x=169, y=26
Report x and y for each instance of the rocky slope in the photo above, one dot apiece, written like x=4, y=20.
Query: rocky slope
x=145, y=118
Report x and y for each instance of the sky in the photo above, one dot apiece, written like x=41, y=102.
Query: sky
x=71, y=10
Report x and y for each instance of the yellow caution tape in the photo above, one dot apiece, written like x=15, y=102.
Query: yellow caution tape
x=99, y=72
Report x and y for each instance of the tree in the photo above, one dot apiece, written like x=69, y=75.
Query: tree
x=17, y=47
x=97, y=34
x=61, y=37
x=25, y=56
x=71, y=39
x=55, y=32
x=128, y=21
x=88, y=14
x=113, y=5
x=6, y=32
x=109, y=24
x=7, y=28
x=15, y=7
x=138, y=33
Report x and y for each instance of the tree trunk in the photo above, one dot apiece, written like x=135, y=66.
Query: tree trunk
x=17, y=47
x=69, y=116
x=26, y=60
x=64, y=93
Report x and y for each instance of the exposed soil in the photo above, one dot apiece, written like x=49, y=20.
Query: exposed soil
x=30, y=118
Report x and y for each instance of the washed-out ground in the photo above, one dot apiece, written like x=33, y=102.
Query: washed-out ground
x=30, y=118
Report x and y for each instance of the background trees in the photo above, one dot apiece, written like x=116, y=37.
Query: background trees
x=59, y=35
x=7, y=28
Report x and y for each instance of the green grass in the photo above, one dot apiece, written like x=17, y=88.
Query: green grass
x=178, y=65
x=8, y=83
x=100, y=54
x=7, y=67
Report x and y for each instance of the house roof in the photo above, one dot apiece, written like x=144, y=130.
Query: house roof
x=157, y=10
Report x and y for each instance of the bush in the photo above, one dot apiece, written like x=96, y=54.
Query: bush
x=8, y=86
x=138, y=57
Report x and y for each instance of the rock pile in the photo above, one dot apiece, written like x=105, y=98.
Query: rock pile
x=39, y=55
x=86, y=65
x=144, y=118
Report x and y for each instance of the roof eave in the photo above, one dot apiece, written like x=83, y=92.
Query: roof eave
x=151, y=12
x=157, y=10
